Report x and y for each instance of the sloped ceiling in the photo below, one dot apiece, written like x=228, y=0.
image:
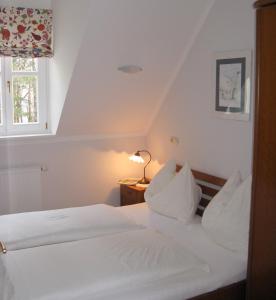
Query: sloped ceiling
x=153, y=34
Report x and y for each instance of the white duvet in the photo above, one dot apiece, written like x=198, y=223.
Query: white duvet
x=92, y=268
x=25, y=230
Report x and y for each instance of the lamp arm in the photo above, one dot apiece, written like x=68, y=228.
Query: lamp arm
x=146, y=151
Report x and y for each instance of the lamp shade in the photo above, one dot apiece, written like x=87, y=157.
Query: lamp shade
x=137, y=158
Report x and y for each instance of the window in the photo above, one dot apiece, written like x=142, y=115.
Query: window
x=23, y=108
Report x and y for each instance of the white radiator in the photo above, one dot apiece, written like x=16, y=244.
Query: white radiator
x=20, y=189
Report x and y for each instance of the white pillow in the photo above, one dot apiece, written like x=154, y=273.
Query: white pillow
x=179, y=198
x=231, y=229
x=161, y=179
x=218, y=203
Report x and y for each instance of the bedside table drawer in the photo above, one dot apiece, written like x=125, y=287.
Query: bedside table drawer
x=128, y=196
x=131, y=195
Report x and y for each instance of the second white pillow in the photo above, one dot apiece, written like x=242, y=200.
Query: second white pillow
x=221, y=199
x=230, y=228
x=179, y=198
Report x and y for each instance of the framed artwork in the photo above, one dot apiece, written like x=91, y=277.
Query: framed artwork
x=232, y=85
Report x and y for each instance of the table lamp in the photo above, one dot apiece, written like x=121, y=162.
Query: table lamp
x=136, y=157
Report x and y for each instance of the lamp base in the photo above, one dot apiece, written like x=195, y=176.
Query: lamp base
x=144, y=180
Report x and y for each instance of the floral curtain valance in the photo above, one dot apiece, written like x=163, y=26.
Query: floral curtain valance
x=26, y=32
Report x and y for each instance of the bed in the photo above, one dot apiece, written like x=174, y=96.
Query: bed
x=217, y=273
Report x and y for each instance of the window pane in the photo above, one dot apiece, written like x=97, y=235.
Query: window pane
x=25, y=99
x=24, y=64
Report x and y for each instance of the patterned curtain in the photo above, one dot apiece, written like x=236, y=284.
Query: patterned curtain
x=26, y=32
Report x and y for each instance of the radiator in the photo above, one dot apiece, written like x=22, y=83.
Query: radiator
x=20, y=189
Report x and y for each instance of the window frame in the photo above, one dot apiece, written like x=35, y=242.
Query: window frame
x=9, y=128
x=2, y=93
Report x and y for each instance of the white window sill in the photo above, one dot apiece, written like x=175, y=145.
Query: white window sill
x=10, y=137
x=24, y=138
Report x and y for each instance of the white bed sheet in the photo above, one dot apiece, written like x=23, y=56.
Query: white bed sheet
x=89, y=268
x=226, y=267
x=32, y=229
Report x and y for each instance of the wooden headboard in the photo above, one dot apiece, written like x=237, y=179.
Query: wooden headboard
x=209, y=184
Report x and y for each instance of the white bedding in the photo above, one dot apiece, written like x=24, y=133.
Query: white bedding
x=93, y=268
x=226, y=267
x=85, y=272
x=25, y=230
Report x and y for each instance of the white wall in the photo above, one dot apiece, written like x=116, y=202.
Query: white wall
x=80, y=172
x=213, y=145
x=70, y=19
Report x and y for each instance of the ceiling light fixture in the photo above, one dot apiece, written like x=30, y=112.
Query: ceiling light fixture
x=130, y=69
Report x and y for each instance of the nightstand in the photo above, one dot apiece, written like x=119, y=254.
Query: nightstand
x=131, y=194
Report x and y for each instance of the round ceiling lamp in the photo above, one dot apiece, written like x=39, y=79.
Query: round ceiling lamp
x=130, y=69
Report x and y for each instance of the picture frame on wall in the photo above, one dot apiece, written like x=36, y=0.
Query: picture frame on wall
x=232, y=72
